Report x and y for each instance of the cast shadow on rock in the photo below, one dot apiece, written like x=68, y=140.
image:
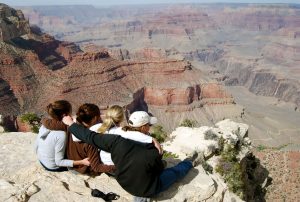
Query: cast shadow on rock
x=256, y=178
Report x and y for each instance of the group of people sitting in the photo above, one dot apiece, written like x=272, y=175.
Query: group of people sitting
x=89, y=146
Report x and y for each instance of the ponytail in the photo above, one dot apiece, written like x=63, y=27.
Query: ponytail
x=114, y=116
x=107, y=124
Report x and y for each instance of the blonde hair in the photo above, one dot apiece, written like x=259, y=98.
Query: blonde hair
x=113, y=117
x=131, y=128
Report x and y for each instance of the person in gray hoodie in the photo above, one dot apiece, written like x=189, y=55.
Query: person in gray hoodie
x=50, y=145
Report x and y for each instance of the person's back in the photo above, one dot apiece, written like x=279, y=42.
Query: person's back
x=51, y=143
x=146, y=165
x=87, y=115
x=138, y=167
x=51, y=146
x=111, y=125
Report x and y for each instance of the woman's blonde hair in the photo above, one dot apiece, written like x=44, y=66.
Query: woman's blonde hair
x=114, y=116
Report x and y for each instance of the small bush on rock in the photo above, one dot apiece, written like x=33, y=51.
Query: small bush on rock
x=210, y=135
x=229, y=167
x=33, y=120
x=170, y=155
x=221, y=143
x=159, y=133
x=189, y=123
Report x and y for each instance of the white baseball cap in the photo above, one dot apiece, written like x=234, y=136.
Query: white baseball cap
x=140, y=118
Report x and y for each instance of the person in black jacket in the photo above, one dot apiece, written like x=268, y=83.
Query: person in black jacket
x=139, y=167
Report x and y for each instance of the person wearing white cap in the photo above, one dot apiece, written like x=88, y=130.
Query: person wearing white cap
x=140, y=121
x=112, y=124
x=139, y=167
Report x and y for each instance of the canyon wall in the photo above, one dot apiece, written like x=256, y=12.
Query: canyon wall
x=12, y=23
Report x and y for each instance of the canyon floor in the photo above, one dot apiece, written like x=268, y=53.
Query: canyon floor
x=272, y=122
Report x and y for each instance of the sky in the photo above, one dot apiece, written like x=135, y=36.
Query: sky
x=120, y=2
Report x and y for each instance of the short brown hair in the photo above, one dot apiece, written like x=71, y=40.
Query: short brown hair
x=87, y=112
x=59, y=108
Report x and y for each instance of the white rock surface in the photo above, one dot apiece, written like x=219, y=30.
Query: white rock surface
x=22, y=178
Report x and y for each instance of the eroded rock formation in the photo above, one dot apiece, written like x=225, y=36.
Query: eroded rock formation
x=37, y=69
x=12, y=23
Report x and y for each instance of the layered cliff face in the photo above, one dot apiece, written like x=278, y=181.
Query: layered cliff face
x=7, y=96
x=12, y=23
x=264, y=36
x=259, y=18
x=260, y=81
x=39, y=69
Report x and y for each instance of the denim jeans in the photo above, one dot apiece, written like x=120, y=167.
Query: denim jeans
x=168, y=177
x=171, y=175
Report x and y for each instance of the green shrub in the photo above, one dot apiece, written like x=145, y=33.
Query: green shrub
x=189, y=123
x=33, y=120
x=229, y=167
x=158, y=133
x=170, y=155
x=261, y=147
x=221, y=143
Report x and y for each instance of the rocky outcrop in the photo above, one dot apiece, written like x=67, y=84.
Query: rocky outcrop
x=207, y=140
x=12, y=23
x=177, y=96
x=31, y=182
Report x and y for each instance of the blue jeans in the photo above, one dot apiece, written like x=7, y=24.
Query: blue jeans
x=171, y=175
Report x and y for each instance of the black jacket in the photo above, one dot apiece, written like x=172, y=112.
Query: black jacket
x=138, y=165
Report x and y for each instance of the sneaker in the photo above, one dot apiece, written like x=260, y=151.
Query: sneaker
x=196, y=158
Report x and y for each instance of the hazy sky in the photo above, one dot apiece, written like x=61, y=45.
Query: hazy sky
x=118, y=2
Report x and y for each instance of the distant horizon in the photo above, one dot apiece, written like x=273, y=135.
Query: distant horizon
x=136, y=2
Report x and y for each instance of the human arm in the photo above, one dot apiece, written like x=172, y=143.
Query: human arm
x=84, y=162
x=60, y=146
x=158, y=146
x=154, y=161
x=101, y=141
x=135, y=135
x=59, y=150
x=141, y=137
